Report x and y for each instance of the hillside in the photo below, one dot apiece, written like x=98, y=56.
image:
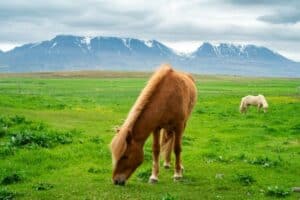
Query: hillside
x=67, y=52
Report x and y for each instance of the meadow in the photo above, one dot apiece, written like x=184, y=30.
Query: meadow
x=55, y=129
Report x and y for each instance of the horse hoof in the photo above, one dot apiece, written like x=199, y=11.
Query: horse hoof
x=153, y=180
x=177, y=177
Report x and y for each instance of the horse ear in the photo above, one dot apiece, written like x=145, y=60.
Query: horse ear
x=116, y=129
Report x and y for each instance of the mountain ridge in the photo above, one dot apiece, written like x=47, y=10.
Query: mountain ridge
x=69, y=52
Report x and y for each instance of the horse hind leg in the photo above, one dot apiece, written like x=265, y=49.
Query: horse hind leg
x=177, y=150
x=166, y=147
x=155, y=154
x=246, y=109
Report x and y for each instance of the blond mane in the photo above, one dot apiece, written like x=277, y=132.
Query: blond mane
x=145, y=95
x=118, y=144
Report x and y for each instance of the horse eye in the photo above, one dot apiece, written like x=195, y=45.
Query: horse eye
x=124, y=157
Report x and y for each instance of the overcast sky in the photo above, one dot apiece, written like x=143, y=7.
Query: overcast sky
x=182, y=25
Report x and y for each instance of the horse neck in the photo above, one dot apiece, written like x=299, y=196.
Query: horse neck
x=141, y=130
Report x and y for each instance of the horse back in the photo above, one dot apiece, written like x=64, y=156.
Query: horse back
x=173, y=100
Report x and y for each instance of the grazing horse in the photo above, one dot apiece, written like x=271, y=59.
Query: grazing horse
x=164, y=105
x=259, y=101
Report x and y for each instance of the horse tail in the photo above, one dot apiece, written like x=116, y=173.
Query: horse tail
x=166, y=144
x=190, y=77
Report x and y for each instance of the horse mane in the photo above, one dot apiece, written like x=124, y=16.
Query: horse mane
x=118, y=144
x=145, y=95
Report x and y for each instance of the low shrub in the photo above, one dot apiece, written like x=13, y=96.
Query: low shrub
x=211, y=157
x=295, y=129
x=276, y=191
x=3, y=131
x=97, y=140
x=18, y=132
x=17, y=119
x=7, y=195
x=264, y=162
x=43, y=139
x=6, y=149
x=11, y=179
x=245, y=179
x=97, y=170
x=43, y=186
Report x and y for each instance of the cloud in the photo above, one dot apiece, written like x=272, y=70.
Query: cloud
x=280, y=12
x=270, y=3
x=171, y=21
x=282, y=17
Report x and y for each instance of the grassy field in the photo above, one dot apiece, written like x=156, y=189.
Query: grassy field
x=55, y=130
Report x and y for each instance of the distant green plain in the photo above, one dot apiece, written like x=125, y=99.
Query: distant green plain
x=226, y=155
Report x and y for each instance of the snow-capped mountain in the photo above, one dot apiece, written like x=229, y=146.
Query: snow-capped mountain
x=67, y=52
x=241, y=60
x=249, y=52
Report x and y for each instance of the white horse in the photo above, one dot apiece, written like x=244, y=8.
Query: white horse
x=259, y=101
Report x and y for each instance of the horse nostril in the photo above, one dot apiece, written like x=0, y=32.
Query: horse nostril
x=119, y=182
x=115, y=182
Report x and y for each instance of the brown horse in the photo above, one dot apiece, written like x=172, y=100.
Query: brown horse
x=164, y=104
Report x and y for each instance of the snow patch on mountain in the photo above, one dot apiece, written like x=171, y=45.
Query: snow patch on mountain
x=126, y=42
x=87, y=41
x=53, y=45
x=149, y=43
x=35, y=44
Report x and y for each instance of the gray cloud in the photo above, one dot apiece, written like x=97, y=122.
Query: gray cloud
x=271, y=3
x=258, y=21
x=282, y=12
x=282, y=17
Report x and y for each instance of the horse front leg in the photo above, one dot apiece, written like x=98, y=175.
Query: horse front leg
x=155, y=154
x=177, y=150
x=258, y=107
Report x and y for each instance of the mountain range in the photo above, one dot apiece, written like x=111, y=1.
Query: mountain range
x=67, y=52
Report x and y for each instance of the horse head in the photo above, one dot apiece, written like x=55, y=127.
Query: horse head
x=127, y=155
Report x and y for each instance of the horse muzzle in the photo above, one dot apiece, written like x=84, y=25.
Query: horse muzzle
x=119, y=180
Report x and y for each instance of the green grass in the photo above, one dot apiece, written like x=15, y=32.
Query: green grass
x=62, y=127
